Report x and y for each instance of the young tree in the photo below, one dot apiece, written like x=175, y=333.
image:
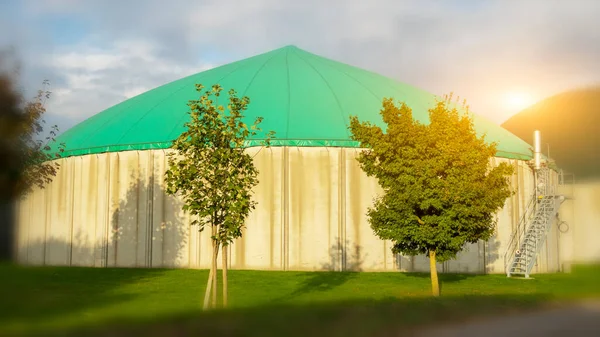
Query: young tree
x=440, y=190
x=214, y=174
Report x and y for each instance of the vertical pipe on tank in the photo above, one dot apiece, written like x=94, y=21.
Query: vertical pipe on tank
x=537, y=149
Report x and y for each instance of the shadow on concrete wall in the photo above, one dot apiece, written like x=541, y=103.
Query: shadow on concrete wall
x=488, y=253
x=134, y=237
x=492, y=255
x=147, y=228
x=344, y=257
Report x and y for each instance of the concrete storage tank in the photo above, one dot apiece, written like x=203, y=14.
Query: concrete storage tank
x=107, y=205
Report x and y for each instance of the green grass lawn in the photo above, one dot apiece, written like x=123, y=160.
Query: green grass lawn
x=52, y=300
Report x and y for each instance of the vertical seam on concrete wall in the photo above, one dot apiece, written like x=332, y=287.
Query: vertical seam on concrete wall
x=558, y=269
x=296, y=196
x=71, y=211
x=536, y=266
x=47, y=196
x=163, y=220
x=97, y=165
x=283, y=200
x=137, y=209
x=574, y=220
x=96, y=209
x=546, y=243
x=558, y=245
x=485, y=245
x=285, y=215
x=189, y=239
x=272, y=209
x=515, y=198
x=522, y=197
x=29, y=208
x=80, y=199
x=517, y=191
x=342, y=207
x=384, y=255
x=118, y=211
x=199, y=236
x=139, y=187
x=107, y=215
x=511, y=202
x=150, y=210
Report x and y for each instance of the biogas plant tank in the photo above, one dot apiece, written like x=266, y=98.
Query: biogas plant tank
x=107, y=205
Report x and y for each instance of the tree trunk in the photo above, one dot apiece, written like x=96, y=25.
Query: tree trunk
x=208, y=288
x=214, y=275
x=213, y=271
x=435, y=285
x=225, y=276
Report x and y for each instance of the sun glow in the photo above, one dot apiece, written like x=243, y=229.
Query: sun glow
x=517, y=100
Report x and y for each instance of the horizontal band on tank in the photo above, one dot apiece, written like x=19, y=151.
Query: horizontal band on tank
x=253, y=143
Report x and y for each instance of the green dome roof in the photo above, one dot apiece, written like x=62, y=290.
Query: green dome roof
x=306, y=99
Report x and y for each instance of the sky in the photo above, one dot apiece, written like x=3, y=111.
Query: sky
x=500, y=55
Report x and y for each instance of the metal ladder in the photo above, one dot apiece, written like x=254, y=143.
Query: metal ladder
x=530, y=235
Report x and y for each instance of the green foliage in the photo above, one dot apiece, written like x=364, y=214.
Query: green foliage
x=440, y=189
x=211, y=169
x=25, y=157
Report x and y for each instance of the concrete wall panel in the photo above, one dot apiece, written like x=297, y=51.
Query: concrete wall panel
x=112, y=210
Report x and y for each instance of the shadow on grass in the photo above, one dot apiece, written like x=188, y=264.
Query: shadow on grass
x=320, y=281
x=345, y=263
x=45, y=293
x=442, y=277
x=491, y=255
x=351, y=318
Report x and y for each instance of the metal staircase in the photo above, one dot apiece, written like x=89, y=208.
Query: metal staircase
x=533, y=228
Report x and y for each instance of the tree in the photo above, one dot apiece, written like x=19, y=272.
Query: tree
x=440, y=190
x=25, y=153
x=26, y=159
x=214, y=174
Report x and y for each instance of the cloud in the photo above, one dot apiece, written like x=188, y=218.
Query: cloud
x=479, y=50
x=91, y=79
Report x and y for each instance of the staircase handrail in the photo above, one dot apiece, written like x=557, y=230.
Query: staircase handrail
x=519, y=232
x=549, y=221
